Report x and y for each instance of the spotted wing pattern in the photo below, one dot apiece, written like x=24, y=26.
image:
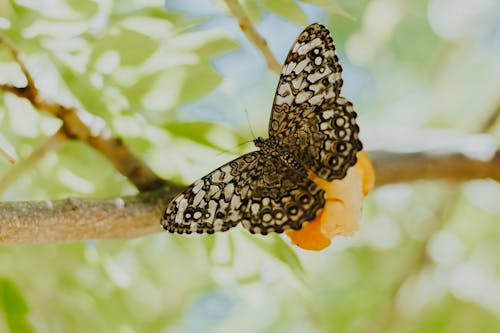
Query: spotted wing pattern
x=311, y=127
x=311, y=73
x=309, y=117
x=259, y=190
x=324, y=138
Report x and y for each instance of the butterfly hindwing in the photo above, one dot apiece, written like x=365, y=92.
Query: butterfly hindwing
x=257, y=189
x=324, y=137
x=280, y=197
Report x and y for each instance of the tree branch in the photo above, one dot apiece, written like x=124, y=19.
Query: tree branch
x=82, y=125
x=253, y=36
x=83, y=219
x=407, y=167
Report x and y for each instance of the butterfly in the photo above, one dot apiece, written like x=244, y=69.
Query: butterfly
x=311, y=128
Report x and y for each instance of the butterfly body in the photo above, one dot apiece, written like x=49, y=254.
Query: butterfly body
x=311, y=127
x=271, y=147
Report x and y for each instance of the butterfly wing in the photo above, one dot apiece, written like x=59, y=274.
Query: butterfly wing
x=324, y=138
x=256, y=189
x=309, y=118
x=211, y=203
x=279, y=196
x=311, y=72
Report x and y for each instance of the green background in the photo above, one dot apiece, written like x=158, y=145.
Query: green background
x=426, y=258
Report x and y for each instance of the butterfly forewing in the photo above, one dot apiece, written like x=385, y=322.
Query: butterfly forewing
x=211, y=203
x=311, y=73
x=257, y=189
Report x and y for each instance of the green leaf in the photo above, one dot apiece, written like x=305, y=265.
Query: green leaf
x=217, y=46
x=20, y=17
x=287, y=9
x=231, y=249
x=179, y=85
x=209, y=243
x=287, y=255
x=14, y=307
x=81, y=86
x=138, y=89
x=251, y=8
x=279, y=249
x=199, y=80
x=331, y=7
x=199, y=131
x=132, y=46
x=86, y=9
x=11, y=298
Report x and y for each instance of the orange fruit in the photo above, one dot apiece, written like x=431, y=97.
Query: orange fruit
x=342, y=211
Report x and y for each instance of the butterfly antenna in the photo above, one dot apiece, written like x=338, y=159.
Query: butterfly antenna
x=249, y=124
x=224, y=151
x=243, y=143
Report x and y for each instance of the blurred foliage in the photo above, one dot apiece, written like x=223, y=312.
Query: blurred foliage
x=174, y=80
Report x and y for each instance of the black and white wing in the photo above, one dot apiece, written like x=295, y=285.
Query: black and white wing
x=258, y=190
x=309, y=117
x=311, y=72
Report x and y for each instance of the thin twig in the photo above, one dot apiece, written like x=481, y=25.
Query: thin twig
x=53, y=143
x=253, y=36
x=15, y=55
x=82, y=125
x=7, y=156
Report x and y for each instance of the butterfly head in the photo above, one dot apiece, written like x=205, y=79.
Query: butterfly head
x=261, y=143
